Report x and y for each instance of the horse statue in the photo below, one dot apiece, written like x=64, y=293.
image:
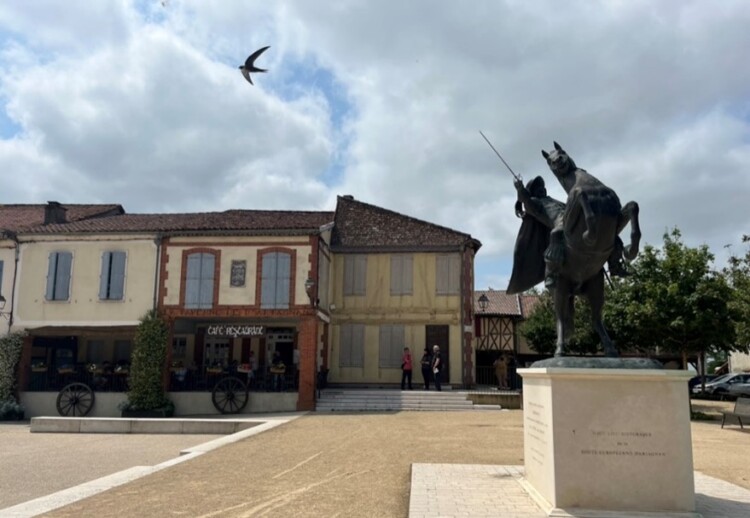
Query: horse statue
x=567, y=244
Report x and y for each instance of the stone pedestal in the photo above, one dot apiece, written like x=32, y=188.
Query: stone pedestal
x=609, y=441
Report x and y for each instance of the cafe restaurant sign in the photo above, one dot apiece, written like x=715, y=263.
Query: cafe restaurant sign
x=235, y=330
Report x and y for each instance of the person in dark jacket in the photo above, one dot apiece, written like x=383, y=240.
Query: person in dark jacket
x=437, y=366
x=426, y=363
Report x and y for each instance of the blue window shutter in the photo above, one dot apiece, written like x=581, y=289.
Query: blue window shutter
x=283, y=279
x=360, y=275
x=408, y=275
x=207, y=281
x=192, y=281
x=397, y=265
x=104, y=276
x=51, y=269
x=358, y=345
x=117, y=276
x=62, y=275
x=1, y=276
x=268, y=281
x=348, y=275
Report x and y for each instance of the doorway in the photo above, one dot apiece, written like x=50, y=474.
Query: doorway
x=440, y=336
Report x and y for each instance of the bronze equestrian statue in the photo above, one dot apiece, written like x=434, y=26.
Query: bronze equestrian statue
x=566, y=244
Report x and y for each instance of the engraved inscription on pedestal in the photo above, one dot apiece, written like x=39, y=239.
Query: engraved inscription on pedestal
x=537, y=432
x=619, y=443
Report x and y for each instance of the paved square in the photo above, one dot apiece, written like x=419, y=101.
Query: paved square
x=476, y=490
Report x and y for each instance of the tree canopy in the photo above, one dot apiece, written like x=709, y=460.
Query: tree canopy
x=672, y=300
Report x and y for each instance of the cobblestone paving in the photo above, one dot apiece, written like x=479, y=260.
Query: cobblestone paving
x=478, y=491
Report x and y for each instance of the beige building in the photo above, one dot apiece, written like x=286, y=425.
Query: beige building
x=397, y=282
x=338, y=292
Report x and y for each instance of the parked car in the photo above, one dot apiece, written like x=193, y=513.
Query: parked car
x=695, y=381
x=696, y=386
x=720, y=386
x=739, y=390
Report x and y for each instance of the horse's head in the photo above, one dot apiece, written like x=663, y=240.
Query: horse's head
x=559, y=162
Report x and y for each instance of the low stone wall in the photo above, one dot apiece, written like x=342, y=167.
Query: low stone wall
x=107, y=404
x=509, y=401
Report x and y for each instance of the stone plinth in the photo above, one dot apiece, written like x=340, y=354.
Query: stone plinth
x=612, y=440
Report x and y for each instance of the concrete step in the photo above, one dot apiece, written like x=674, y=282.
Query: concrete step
x=338, y=400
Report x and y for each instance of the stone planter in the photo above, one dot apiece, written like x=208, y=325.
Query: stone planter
x=158, y=413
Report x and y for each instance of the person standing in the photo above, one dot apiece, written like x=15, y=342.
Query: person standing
x=426, y=363
x=437, y=366
x=406, y=367
x=501, y=371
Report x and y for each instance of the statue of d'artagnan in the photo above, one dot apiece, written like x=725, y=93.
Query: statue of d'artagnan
x=566, y=244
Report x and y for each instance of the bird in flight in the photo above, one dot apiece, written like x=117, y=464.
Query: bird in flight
x=249, y=65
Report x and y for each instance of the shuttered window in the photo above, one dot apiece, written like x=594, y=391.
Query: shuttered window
x=391, y=346
x=352, y=345
x=1, y=276
x=112, y=279
x=199, y=282
x=58, y=276
x=275, y=280
x=355, y=274
x=401, y=274
x=448, y=274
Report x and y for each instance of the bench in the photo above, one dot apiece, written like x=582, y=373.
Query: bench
x=741, y=411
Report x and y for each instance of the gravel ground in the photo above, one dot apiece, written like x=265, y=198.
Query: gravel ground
x=350, y=465
x=38, y=464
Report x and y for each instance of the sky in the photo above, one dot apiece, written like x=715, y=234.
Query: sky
x=141, y=103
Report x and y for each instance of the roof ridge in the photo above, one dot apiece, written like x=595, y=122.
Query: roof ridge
x=383, y=209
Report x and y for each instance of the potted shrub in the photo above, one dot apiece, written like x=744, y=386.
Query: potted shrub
x=146, y=397
x=10, y=354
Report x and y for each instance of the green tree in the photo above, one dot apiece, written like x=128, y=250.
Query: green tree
x=541, y=334
x=673, y=300
x=10, y=354
x=738, y=275
x=147, y=365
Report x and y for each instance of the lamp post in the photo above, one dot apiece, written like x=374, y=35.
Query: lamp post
x=483, y=301
x=309, y=287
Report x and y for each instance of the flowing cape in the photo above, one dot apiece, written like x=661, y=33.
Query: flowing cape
x=528, y=256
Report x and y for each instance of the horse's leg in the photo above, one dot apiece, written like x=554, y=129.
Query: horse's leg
x=563, y=302
x=593, y=290
x=629, y=214
x=590, y=234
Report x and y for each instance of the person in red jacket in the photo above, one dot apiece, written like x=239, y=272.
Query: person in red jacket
x=406, y=369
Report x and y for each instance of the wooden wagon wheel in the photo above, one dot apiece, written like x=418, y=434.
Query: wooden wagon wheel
x=230, y=395
x=75, y=399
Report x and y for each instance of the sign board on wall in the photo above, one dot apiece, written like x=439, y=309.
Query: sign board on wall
x=235, y=330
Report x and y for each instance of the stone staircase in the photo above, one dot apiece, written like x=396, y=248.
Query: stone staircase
x=383, y=400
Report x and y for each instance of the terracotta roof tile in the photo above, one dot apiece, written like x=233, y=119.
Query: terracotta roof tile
x=18, y=216
x=230, y=220
x=500, y=303
x=361, y=226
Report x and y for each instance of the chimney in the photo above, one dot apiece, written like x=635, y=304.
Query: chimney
x=54, y=213
x=348, y=197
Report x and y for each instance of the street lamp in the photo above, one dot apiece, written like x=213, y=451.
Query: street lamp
x=309, y=287
x=483, y=301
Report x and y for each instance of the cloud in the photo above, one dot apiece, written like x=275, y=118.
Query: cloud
x=384, y=102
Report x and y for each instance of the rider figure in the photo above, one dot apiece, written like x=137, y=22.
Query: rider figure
x=533, y=200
